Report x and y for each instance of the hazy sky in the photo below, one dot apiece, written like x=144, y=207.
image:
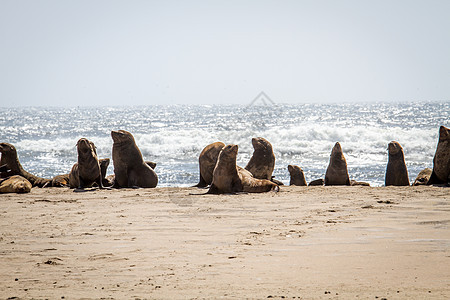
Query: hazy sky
x=91, y=52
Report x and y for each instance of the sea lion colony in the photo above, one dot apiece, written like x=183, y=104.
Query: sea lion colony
x=217, y=165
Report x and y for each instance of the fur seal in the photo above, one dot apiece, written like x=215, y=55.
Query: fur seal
x=297, y=175
x=360, y=183
x=110, y=179
x=130, y=170
x=87, y=170
x=441, y=160
x=423, y=177
x=396, y=172
x=316, y=182
x=229, y=178
x=337, y=173
x=207, y=161
x=15, y=184
x=60, y=180
x=9, y=158
x=262, y=162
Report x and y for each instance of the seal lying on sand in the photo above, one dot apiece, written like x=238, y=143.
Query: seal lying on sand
x=87, y=170
x=396, y=172
x=60, y=180
x=9, y=157
x=207, y=161
x=15, y=184
x=229, y=178
x=441, y=161
x=423, y=177
x=316, y=182
x=262, y=162
x=337, y=173
x=297, y=175
x=130, y=170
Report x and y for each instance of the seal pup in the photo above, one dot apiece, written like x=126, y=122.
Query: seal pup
x=297, y=175
x=9, y=158
x=396, y=172
x=207, y=161
x=337, y=173
x=130, y=170
x=441, y=160
x=262, y=162
x=423, y=177
x=15, y=184
x=87, y=170
x=229, y=178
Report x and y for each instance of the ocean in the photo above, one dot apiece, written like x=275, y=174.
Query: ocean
x=174, y=135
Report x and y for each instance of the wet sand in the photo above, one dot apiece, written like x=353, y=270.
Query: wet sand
x=303, y=242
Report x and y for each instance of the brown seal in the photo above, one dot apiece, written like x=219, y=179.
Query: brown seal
x=423, y=177
x=207, y=161
x=316, y=182
x=262, y=162
x=130, y=170
x=360, y=183
x=9, y=158
x=60, y=180
x=15, y=184
x=87, y=170
x=110, y=179
x=297, y=175
x=441, y=160
x=337, y=173
x=229, y=178
x=396, y=172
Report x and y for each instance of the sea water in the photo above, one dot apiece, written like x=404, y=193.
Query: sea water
x=173, y=136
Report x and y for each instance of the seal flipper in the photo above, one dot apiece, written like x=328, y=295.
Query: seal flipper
x=213, y=190
x=202, y=183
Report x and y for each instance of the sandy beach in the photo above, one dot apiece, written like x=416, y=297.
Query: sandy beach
x=163, y=243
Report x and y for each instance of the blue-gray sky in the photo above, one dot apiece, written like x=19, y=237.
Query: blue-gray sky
x=165, y=52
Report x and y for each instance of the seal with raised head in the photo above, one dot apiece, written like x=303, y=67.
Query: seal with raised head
x=337, y=173
x=297, y=175
x=207, y=161
x=10, y=159
x=230, y=178
x=423, y=177
x=396, y=171
x=441, y=160
x=130, y=170
x=87, y=170
x=262, y=162
x=15, y=184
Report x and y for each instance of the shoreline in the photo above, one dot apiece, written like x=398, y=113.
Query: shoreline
x=302, y=242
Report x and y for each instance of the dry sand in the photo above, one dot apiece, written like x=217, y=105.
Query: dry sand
x=303, y=242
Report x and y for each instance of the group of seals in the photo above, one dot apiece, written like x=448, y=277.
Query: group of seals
x=10, y=159
x=230, y=178
x=218, y=169
x=130, y=170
